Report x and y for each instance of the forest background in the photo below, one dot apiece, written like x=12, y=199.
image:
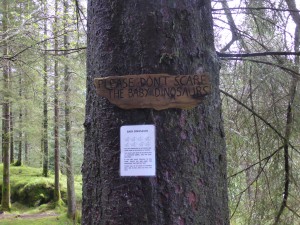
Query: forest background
x=42, y=61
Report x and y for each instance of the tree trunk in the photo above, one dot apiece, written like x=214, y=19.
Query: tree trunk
x=56, y=111
x=5, y=201
x=290, y=113
x=11, y=123
x=142, y=37
x=19, y=161
x=69, y=151
x=44, y=143
x=26, y=144
x=26, y=149
x=12, y=146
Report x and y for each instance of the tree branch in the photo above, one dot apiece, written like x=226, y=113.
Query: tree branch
x=243, y=191
x=255, y=54
x=233, y=28
x=79, y=12
x=65, y=50
x=290, y=71
x=294, y=12
x=258, y=8
x=13, y=57
x=289, y=114
x=261, y=118
x=293, y=211
x=249, y=167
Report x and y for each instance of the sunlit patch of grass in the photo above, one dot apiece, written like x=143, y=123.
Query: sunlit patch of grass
x=49, y=220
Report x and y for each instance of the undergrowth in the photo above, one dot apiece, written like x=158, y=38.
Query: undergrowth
x=31, y=193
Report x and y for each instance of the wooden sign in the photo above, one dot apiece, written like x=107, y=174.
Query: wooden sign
x=158, y=91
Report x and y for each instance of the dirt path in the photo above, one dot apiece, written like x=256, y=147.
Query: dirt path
x=27, y=216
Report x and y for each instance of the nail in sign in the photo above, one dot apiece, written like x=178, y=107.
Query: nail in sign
x=158, y=91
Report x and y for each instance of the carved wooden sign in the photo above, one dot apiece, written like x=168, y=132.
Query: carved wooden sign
x=158, y=91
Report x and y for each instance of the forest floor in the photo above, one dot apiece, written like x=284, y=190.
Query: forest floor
x=32, y=198
x=45, y=218
x=30, y=217
x=26, y=215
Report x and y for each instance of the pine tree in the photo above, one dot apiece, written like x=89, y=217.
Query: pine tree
x=151, y=37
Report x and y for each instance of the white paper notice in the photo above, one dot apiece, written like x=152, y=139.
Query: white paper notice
x=137, y=150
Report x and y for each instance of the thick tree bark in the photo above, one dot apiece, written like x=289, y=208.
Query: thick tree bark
x=69, y=151
x=57, y=196
x=140, y=37
x=5, y=200
x=45, y=102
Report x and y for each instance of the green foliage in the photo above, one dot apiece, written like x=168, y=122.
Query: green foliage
x=256, y=163
x=26, y=42
x=30, y=188
x=32, y=196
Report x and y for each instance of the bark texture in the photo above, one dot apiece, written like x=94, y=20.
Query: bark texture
x=20, y=141
x=69, y=150
x=139, y=37
x=12, y=144
x=45, y=103
x=57, y=195
x=5, y=198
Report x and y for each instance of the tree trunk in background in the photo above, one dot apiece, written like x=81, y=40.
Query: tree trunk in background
x=69, y=151
x=190, y=187
x=11, y=124
x=26, y=147
x=12, y=146
x=5, y=201
x=19, y=161
x=56, y=110
x=290, y=114
x=44, y=143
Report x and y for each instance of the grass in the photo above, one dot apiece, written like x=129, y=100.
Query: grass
x=32, y=195
x=53, y=220
x=28, y=186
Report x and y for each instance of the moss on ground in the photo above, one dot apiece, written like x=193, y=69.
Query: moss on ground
x=32, y=198
x=49, y=220
x=31, y=189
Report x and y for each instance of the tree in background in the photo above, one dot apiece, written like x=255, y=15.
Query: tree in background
x=31, y=59
x=5, y=198
x=20, y=135
x=143, y=37
x=57, y=196
x=45, y=150
x=259, y=79
x=257, y=45
x=68, y=127
x=12, y=144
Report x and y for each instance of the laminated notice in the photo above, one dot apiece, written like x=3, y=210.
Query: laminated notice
x=137, y=150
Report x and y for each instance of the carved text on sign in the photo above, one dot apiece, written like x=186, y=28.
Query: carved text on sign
x=158, y=91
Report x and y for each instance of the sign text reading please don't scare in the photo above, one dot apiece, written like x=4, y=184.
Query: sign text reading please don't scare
x=158, y=91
